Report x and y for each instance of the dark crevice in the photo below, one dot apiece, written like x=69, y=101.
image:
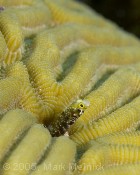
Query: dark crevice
x=67, y=66
x=43, y=157
x=99, y=83
x=18, y=139
x=122, y=105
x=28, y=48
x=3, y=72
x=102, y=80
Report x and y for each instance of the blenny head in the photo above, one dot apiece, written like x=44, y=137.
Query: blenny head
x=80, y=106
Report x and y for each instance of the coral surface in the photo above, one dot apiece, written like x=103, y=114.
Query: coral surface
x=69, y=91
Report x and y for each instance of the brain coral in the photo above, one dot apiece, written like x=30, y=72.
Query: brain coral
x=69, y=91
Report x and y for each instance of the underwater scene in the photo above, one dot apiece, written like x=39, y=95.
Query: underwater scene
x=69, y=88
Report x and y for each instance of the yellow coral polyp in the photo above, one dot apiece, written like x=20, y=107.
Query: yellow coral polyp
x=99, y=156
x=16, y=3
x=112, y=123
x=19, y=156
x=109, y=96
x=49, y=93
x=129, y=169
x=13, y=37
x=56, y=162
x=23, y=135
x=123, y=138
x=64, y=12
x=38, y=19
x=13, y=124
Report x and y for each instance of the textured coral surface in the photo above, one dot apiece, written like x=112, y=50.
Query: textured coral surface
x=69, y=91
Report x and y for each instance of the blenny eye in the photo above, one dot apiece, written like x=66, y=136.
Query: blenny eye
x=81, y=105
